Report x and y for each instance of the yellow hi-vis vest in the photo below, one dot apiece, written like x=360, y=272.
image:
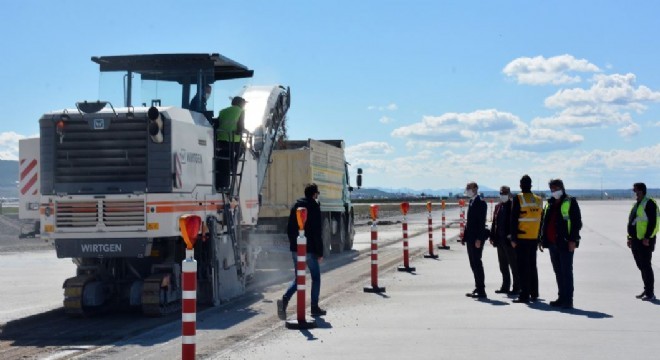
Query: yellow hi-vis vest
x=529, y=221
x=641, y=221
x=228, y=124
x=565, y=209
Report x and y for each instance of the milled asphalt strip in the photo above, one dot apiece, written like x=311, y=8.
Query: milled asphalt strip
x=393, y=260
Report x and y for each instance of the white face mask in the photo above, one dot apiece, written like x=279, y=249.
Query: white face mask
x=504, y=198
x=206, y=95
x=469, y=193
x=557, y=194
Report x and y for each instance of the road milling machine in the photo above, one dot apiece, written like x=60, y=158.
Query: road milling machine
x=113, y=179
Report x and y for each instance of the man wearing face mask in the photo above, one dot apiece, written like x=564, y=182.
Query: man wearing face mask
x=643, y=224
x=560, y=233
x=500, y=235
x=526, y=214
x=199, y=105
x=474, y=238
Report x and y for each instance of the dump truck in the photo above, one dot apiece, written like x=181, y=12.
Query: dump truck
x=108, y=180
x=296, y=163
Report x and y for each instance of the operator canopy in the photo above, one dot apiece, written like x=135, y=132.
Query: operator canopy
x=180, y=68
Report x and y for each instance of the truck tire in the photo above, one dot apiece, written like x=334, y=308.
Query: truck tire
x=339, y=239
x=350, y=234
x=326, y=235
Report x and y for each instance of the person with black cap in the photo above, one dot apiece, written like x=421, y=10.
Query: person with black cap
x=230, y=126
x=560, y=233
x=643, y=224
x=526, y=214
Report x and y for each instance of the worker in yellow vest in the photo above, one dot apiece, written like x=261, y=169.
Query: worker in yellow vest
x=560, y=233
x=229, y=130
x=526, y=214
x=643, y=226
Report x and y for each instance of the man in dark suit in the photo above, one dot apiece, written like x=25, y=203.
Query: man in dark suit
x=500, y=237
x=474, y=237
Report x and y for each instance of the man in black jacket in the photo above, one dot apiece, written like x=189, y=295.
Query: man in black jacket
x=560, y=233
x=314, y=248
x=474, y=236
x=642, y=230
x=500, y=237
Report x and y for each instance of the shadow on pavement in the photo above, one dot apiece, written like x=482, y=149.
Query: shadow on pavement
x=575, y=311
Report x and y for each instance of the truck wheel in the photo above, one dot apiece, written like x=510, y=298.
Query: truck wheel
x=350, y=234
x=326, y=235
x=339, y=240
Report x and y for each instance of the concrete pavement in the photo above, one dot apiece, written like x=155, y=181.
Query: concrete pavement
x=427, y=316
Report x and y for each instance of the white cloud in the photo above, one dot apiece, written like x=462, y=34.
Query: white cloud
x=609, y=101
x=555, y=70
x=592, y=115
x=388, y=107
x=458, y=127
x=369, y=148
x=9, y=145
x=629, y=130
x=546, y=140
x=385, y=120
x=615, y=89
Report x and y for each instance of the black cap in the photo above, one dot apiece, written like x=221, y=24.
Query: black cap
x=238, y=101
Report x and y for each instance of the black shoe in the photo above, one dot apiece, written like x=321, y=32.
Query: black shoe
x=281, y=309
x=317, y=311
x=514, y=292
x=521, y=300
x=567, y=305
x=472, y=294
x=502, y=291
x=648, y=297
x=534, y=298
x=556, y=303
x=641, y=295
x=481, y=295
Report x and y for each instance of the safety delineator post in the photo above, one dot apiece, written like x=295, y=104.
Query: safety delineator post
x=461, y=204
x=301, y=271
x=430, y=254
x=189, y=226
x=406, y=254
x=374, y=288
x=444, y=245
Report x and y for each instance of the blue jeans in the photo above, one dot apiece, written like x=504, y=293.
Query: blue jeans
x=562, y=264
x=314, y=271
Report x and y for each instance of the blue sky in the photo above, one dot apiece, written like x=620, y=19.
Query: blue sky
x=426, y=94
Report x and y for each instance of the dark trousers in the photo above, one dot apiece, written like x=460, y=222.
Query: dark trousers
x=506, y=257
x=314, y=272
x=474, y=255
x=228, y=154
x=643, y=255
x=562, y=264
x=529, y=277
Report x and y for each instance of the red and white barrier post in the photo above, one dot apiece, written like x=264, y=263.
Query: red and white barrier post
x=461, y=204
x=404, y=226
x=374, y=288
x=430, y=254
x=301, y=273
x=444, y=245
x=189, y=226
